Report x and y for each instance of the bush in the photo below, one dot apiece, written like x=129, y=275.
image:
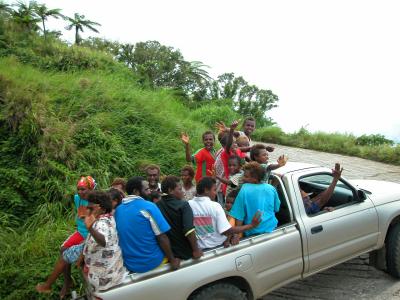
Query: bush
x=212, y=113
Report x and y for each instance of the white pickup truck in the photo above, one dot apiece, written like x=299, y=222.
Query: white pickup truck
x=366, y=218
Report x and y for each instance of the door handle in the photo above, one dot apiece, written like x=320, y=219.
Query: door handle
x=316, y=229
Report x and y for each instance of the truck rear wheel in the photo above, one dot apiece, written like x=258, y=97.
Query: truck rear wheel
x=393, y=251
x=220, y=291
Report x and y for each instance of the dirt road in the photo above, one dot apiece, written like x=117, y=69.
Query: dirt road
x=354, y=279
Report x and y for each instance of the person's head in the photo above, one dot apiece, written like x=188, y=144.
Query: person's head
x=187, y=174
x=208, y=139
x=253, y=172
x=243, y=141
x=119, y=183
x=259, y=153
x=99, y=203
x=249, y=125
x=116, y=196
x=138, y=186
x=207, y=187
x=153, y=175
x=155, y=196
x=234, y=164
x=230, y=199
x=172, y=186
x=85, y=185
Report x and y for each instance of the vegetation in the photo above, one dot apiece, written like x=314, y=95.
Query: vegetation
x=375, y=146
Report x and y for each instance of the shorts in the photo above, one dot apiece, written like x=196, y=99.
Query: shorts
x=74, y=239
x=72, y=254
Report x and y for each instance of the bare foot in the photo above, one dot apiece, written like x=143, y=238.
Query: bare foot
x=43, y=288
x=65, y=289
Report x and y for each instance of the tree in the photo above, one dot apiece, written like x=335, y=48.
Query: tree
x=79, y=23
x=26, y=15
x=43, y=12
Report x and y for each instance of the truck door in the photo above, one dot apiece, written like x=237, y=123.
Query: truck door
x=350, y=229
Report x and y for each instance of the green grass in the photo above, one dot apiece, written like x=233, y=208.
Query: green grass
x=346, y=144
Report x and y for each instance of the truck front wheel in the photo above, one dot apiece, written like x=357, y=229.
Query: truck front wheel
x=393, y=251
x=220, y=291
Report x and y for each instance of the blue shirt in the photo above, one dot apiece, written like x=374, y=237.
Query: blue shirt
x=138, y=223
x=80, y=223
x=253, y=197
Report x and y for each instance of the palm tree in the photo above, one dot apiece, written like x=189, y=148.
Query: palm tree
x=43, y=12
x=79, y=22
x=26, y=15
x=5, y=8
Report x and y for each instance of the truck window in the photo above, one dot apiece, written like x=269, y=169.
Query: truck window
x=312, y=190
x=284, y=214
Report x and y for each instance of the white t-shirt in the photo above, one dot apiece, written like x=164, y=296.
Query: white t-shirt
x=210, y=222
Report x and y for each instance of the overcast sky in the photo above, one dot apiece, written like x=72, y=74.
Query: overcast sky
x=334, y=64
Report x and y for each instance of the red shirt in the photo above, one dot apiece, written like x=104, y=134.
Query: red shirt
x=224, y=158
x=204, y=161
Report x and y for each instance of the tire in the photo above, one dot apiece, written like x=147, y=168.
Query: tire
x=393, y=251
x=220, y=291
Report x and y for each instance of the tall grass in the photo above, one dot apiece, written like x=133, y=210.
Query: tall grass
x=346, y=144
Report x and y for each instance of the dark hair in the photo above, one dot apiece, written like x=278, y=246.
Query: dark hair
x=119, y=181
x=189, y=169
x=233, y=194
x=101, y=198
x=223, y=138
x=116, y=194
x=237, y=158
x=204, y=184
x=250, y=118
x=134, y=183
x=207, y=132
x=255, y=170
x=169, y=183
x=255, y=150
x=152, y=167
x=154, y=195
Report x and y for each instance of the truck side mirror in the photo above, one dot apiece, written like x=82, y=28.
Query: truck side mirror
x=361, y=196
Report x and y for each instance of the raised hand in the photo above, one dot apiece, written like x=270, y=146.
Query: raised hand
x=257, y=218
x=185, y=138
x=337, y=171
x=220, y=126
x=282, y=160
x=234, y=124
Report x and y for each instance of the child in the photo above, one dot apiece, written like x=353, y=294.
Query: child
x=259, y=154
x=236, y=174
x=230, y=199
x=73, y=245
x=189, y=189
x=204, y=158
x=179, y=215
x=255, y=196
x=104, y=267
x=212, y=226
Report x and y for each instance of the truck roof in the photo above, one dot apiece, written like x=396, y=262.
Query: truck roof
x=292, y=167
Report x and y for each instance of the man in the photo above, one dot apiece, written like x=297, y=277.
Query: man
x=153, y=177
x=141, y=229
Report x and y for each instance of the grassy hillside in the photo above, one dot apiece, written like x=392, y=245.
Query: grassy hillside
x=58, y=125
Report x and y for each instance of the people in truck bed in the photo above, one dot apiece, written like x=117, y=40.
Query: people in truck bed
x=204, y=158
x=153, y=177
x=255, y=195
x=235, y=178
x=188, y=188
x=68, y=256
x=212, y=226
x=103, y=265
x=259, y=154
x=142, y=230
x=179, y=216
